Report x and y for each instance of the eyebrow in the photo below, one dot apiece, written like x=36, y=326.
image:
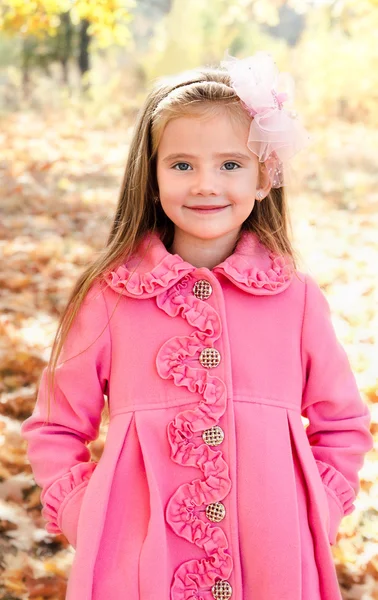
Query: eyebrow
x=216, y=155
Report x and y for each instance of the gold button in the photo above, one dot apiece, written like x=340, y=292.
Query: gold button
x=215, y=512
x=221, y=590
x=202, y=289
x=209, y=358
x=213, y=436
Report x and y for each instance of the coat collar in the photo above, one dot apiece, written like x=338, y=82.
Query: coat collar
x=152, y=269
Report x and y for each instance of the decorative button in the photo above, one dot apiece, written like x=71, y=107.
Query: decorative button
x=202, y=289
x=221, y=590
x=213, y=436
x=209, y=358
x=215, y=512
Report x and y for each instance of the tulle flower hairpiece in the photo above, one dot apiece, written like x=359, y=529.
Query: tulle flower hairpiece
x=275, y=134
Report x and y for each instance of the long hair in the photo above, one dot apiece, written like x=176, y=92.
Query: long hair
x=199, y=92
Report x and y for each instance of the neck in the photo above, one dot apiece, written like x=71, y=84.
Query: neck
x=201, y=252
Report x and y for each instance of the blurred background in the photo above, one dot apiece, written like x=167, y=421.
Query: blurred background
x=73, y=74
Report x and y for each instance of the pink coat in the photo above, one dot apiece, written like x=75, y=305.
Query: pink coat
x=210, y=486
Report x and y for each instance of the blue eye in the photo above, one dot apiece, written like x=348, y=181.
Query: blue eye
x=181, y=163
x=231, y=162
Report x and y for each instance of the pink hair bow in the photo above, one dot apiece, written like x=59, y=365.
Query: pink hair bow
x=275, y=134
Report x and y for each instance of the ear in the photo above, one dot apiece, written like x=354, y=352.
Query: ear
x=264, y=185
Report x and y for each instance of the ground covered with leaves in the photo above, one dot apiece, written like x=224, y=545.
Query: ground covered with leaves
x=61, y=175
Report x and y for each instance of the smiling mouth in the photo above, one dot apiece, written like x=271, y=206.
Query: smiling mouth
x=207, y=209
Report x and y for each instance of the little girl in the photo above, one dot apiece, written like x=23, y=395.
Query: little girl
x=210, y=346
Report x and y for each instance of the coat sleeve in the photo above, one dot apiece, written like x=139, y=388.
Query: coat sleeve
x=57, y=450
x=338, y=430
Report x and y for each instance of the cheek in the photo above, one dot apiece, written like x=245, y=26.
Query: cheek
x=169, y=185
x=243, y=189
x=163, y=177
x=159, y=175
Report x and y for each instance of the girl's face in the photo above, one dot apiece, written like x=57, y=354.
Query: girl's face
x=206, y=163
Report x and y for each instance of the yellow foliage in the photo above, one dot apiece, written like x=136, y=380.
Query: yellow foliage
x=41, y=18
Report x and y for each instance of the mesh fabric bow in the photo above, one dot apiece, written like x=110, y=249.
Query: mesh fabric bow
x=275, y=134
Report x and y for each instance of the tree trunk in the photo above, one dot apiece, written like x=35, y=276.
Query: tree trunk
x=66, y=48
x=84, y=51
x=25, y=69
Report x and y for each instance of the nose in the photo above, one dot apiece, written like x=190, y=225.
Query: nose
x=206, y=183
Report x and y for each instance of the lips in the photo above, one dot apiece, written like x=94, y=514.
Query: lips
x=207, y=210
x=207, y=207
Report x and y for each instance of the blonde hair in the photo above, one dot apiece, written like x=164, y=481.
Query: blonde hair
x=201, y=92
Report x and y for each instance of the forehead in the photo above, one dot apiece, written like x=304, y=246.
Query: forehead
x=198, y=134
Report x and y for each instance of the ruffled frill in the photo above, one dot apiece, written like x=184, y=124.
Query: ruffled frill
x=152, y=269
x=178, y=359
x=54, y=495
x=196, y=574
x=334, y=480
x=276, y=278
x=148, y=284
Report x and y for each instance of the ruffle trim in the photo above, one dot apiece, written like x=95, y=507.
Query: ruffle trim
x=178, y=359
x=149, y=270
x=196, y=574
x=274, y=280
x=338, y=484
x=54, y=495
x=193, y=310
x=148, y=284
x=252, y=267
